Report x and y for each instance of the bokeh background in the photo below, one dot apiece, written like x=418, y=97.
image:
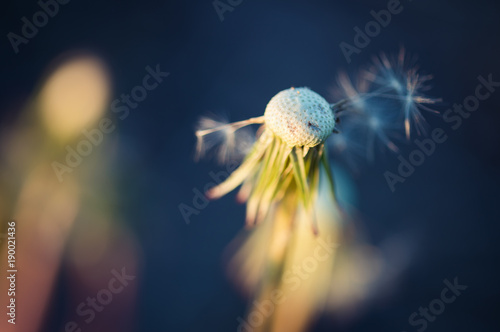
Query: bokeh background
x=120, y=207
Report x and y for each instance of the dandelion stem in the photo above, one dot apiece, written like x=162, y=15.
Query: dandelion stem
x=285, y=223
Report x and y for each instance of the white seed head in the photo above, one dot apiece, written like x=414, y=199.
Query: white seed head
x=300, y=117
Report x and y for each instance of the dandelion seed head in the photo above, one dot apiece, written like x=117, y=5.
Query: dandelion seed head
x=300, y=117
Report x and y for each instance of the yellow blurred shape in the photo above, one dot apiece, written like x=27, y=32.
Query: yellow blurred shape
x=47, y=208
x=74, y=96
x=96, y=232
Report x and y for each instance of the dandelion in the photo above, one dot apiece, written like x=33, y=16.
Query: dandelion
x=280, y=176
x=285, y=161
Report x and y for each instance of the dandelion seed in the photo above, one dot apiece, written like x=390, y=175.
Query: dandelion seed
x=399, y=79
x=219, y=135
x=369, y=120
x=387, y=96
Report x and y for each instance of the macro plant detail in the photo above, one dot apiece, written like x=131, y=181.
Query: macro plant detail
x=249, y=166
x=281, y=175
x=285, y=161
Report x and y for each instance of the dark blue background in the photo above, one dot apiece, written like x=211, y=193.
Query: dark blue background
x=235, y=67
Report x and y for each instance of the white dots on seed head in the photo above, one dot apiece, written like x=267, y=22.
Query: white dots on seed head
x=303, y=118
